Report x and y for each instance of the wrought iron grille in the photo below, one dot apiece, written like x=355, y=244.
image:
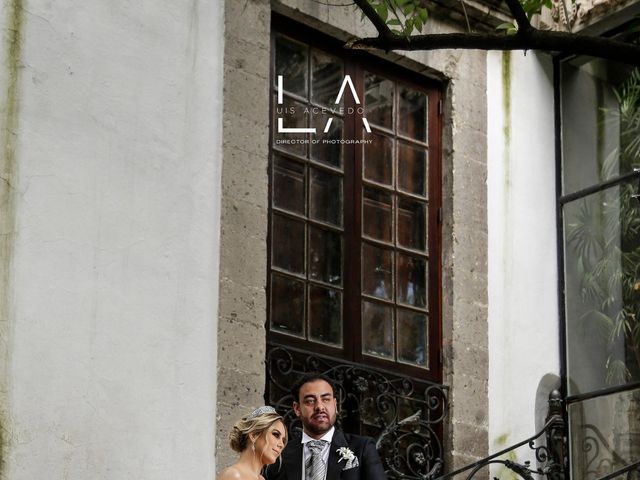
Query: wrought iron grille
x=599, y=456
x=404, y=415
x=548, y=445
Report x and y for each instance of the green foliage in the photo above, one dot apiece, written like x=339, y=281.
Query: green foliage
x=509, y=28
x=531, y=8
x=534, y=7
x=629, y=100
x=403, y=17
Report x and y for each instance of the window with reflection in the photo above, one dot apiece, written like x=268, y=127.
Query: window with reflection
x=601, y=217
x=354, y=237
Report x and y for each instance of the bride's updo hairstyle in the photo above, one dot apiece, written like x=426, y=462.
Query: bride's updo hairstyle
x=257, y=422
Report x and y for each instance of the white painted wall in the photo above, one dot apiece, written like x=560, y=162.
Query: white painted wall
x=112, y=355
x=523, y=278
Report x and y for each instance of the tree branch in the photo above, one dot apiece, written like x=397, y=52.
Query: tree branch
x=378, y=23
x=528, y=39
x=520, y=16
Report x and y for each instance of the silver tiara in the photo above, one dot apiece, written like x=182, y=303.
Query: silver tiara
x=261, y=411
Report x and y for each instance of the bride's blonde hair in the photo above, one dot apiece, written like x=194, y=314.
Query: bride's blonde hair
x=257, y=422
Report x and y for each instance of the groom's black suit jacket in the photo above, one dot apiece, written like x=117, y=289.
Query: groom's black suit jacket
x=369, y=467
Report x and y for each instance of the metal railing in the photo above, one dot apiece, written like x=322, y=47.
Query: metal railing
x=548, y=445
x=632, y=473
x=406, y=418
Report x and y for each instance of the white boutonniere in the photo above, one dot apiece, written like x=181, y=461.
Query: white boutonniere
x=351, y=461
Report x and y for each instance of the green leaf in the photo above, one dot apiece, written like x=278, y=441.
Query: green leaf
x=382, y=11
x=423, y=13
x=394, y=22
x=418, y=24
x=509, y=28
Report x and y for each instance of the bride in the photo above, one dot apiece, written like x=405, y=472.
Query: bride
x=259, y=437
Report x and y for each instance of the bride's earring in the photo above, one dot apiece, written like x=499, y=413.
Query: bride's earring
x=253, y=447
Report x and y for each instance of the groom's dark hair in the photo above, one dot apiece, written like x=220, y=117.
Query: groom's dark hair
x=307, y=378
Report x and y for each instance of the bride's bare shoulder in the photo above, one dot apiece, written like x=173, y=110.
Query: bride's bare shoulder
x=230, y=473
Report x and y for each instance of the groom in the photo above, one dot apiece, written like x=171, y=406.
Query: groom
x=325, y=452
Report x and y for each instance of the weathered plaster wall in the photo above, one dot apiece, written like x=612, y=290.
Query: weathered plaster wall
x=244, y=222
x=110, y=336
x=11, y=18
x=523, y=277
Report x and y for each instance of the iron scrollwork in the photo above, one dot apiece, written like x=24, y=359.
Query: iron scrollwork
x=599, y=456
x=404, y=415
x=548, y=445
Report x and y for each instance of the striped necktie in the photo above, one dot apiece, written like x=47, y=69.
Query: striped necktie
x=315, y=467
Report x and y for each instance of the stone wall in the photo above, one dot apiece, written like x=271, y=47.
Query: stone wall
x=243, y=241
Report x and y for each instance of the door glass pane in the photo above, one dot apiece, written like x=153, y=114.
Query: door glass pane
x=291, y=63
x=412, y=337
x=288, y=184
x=600, y=108
x=325, y=315
x=601, y=138
x=412, y=224
x=292, y=115
x=377, y=271
x=287, y=244
x=287, y=305
x=325, y=256
x=412, y=169
x=604, y=434
x=378, y=159
x=326, y=147
x=325, y=197
x=602, y=289
x=412, y=118
x=326, y=78
x=412, y=280
x=377, y=329
x=378, y=100
x=377, y=209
